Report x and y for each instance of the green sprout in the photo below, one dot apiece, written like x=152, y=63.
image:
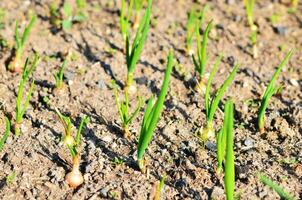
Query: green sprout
x=55, y=19
x=151, y=116
x=283, y=194
x=59, y=76
x=159, y=188
x=269, y=92
x=202, y=56
x=6, y=133
x=11, y=178
x=249, y=7
x=294, y=6
x=67, y=138
x=194, y=20
x=69, y=19
x=220, y=141
x=138, y=5
x=75, y=177
x=15, y=65
x=133, y=53
x=124, y=21
x=20, y=110
x=229, y=168
x=123, y=109
x=211, y=106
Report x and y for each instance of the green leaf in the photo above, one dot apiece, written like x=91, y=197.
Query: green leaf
x=6, y=133
x=283, y=194
x=152, y=115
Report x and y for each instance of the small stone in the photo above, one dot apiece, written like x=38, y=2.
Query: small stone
x=281, y=30
x=211, y=145
x=104, y=192
x=230, y=2
x=294, y=82
x=107, y=138
x=180, y=183
x=69, y=75
x=142, y=80
x=217, y=193
x=101, y=84
x=249, y=143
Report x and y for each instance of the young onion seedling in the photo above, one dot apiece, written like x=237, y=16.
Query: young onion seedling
x=124, y=20
x=123, y=109
x=202, y=57
x=20, y=111
x=283, y=194
x=74, y=178
x=59, y=76
x=151, y=117
x=6, y=133
x=69, y=19
x=269, y=92
x=211, y=106
x=249, y=7
x=138, y=5
x=229, y=168
x=133, y=53
x=159, y=188
x=194, y=19
x=15, y=65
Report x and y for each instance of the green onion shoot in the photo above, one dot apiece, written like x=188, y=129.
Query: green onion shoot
x=269, y=92
x=74, y=178
x=202, y=57
x=249, y=7
x=123, y=110
x=211, y=105
x=229, y=168
x=6, y=133
x=16, y=64
x=151, y=117
x=59, y=76
x=283, y=194
x=20, y=110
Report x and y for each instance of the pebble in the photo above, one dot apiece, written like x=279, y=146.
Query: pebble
x=217, y=193
x=294, y=82
x=104, y=192
x=281, y=30
x=142, y=80
x=211, y=145
x=107, y=138
x=101, y=84
x=180, y=183
x=249, y=143
x=69, y=75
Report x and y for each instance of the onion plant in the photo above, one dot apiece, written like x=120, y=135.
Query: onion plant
x=159, y=188
x=249, y=7
x=133, y=52
x=211, y=105
x=194, y=19
x=269, y=92
x=202, y=57
x=151, y=116
x=283, y=194
x=69, y=18
x=294, y=6
x=16, y=64
x=229, y=168
x=123, y=110
x=75, y=177
x=20, y=110
x=6, y=133
x=59, y=76
x=138, y=5
x=124, y=20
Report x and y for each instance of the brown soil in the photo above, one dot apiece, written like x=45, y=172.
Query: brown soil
x=41, y=162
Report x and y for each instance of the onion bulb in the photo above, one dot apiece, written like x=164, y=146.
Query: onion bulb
x=75, y=178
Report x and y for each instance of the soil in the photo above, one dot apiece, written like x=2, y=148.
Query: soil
x=40, y=162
